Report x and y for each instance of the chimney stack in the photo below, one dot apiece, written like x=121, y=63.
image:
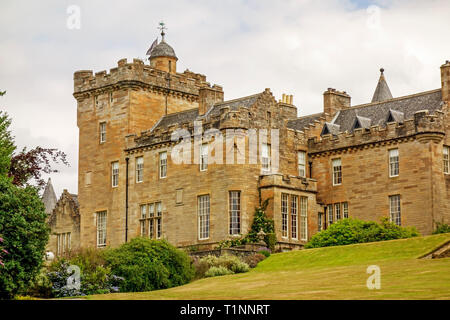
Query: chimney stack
x=334, y=100
x=445, y=81
x=207, y=96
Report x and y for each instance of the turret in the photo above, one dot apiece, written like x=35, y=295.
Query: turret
x=162, y=55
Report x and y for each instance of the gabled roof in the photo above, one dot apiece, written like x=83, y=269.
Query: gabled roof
x=382, y=92
x=303, y=122
x=395, y=116
x=234, y=104
x=330, y=128
x=361, y=122
x=379, y=112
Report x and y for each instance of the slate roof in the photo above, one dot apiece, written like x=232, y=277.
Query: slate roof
x=382, y=91
x=162, y=49
x=189, y=116
x=303, y=122
x=49, y=197
x=234, y=104
x=379, y=112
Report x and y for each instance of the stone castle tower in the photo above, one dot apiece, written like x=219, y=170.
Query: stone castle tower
x=129, y=99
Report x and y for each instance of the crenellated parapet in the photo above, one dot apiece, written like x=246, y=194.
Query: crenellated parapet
x=138, y=74
x=424, y=127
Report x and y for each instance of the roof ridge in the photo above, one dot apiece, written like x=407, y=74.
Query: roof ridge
x=237, y=99
x=304, y=117
x=178, y=112
x=393, y=99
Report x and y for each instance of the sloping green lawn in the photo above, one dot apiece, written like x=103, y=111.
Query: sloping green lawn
x=327, y=273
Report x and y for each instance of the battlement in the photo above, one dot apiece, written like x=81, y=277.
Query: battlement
x=423, y=126
x=138, y=73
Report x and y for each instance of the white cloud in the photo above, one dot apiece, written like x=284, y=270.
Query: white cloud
x=295, y=47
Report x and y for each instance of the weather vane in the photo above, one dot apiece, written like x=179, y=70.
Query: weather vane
x=162, y=27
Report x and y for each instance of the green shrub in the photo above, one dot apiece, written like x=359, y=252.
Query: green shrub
x=230, y=262
x=441, y=228
x=149, y=264
x=349, y=231
x=95, y=276
x=266, y=253
x=25, y=234
x=217, y=271
x=253, y=259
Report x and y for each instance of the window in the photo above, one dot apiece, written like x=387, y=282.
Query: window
x=143, y=220
x=63, y=243
x=446, y=159
x=330, y=214
x=319, y=222
x=294, y=206
x=101, y=229
x=203, y=217
x=163, y=164
x=111, y=99
x=149, y=220
x=395, y=209
x=235, y=212
x=96, y=101
x=284, y=215
x=265, y=157
x=102, y=130
x=179, y=196
x=345, y=209
x=204, y=157
x=337, y=172
x=337, y=210
x=139, y=169
x=301, y=155
x=303, y=218
x=115, y=173
x=393, y=163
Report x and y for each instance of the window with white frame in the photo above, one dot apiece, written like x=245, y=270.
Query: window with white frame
x=102, y=132
x=139, y=169
x=301, y=157
x=337, y=211
x=203, y=216
x=151, y=223
x=235, y=212
x=158, y=219
x=294, y=223
x=115, y=173
x=101, y=229
x=204, y=157
x=337, y=171
x=303, y=218
x=163, y=164
x=446, y=152
x=151, y=220
x=143, y=220
x=284, y=215
x=330, y=214
x=395, y=213
x=393, y=163
x=265, y=157
x=345, y=209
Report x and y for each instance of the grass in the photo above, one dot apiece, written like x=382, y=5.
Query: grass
x=327, y=273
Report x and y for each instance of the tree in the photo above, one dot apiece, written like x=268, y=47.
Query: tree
x=29, y=165
x=23, y=223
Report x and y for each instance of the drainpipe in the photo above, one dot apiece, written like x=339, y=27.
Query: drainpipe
x=310, y=169
x=126, y=201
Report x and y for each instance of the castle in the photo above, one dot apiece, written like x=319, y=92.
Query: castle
x=386, y=158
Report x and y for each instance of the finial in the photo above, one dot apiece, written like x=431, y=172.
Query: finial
x=162, y=27
x=381, y=70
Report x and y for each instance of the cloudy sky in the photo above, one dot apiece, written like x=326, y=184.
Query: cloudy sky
x=299, y=47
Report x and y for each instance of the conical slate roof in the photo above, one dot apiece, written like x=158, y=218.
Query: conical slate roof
x=162, y=49
x=382, y=92
x=49, y=197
